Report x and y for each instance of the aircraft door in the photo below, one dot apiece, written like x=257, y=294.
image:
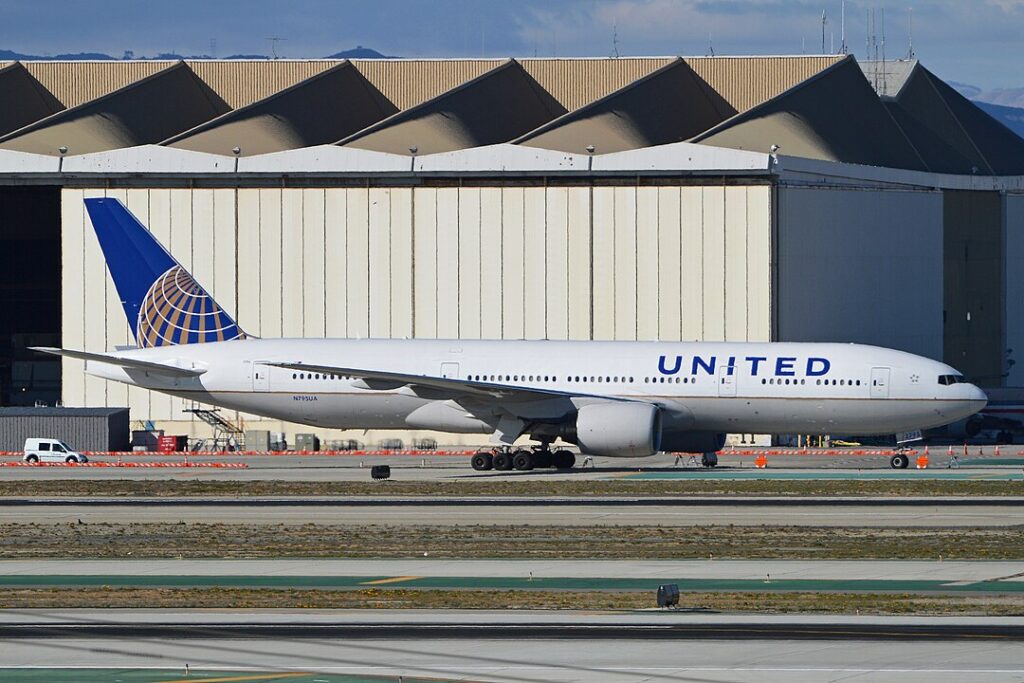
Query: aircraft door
x=260, y=377
x=450, y=370
x=880, y=382
x=726, y=382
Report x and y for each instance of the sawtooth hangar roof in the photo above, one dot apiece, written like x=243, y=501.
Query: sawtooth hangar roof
x=893, y=114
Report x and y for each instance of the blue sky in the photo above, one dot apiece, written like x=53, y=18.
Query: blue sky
x=972, y=41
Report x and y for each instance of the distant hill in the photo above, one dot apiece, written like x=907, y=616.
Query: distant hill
x=966, y=89
x=358, y=52
x=1005, y=105
x=8, y=55
x=1011, y=117
x=1007, y=97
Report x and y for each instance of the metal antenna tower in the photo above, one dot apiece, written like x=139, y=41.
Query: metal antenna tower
x=823, y=22
x=885, y=81
x=273, y=45
x=910, y=47
x=842, y=28
x=867, y=34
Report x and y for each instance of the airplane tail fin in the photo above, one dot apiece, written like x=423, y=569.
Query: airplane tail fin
x=164, y=304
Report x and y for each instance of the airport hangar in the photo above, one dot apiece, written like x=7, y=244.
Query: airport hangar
x=625, y=198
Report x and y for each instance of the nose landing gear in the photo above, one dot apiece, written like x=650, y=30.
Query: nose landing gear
x=899, y=461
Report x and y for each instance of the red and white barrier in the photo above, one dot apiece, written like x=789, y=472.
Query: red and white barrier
x=814, y=451
x=222, y=454
x=167, y=465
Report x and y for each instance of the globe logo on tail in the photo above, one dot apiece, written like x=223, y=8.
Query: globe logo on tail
x=177, y=310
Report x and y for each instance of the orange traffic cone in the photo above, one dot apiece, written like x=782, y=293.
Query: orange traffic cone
x=922, y=460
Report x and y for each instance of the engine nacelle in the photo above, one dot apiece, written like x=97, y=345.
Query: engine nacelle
x=618, y=429
x=691, y=442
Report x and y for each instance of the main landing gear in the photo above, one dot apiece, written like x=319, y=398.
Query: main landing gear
x=505, y=458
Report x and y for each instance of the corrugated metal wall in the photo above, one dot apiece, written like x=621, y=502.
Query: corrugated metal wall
x=408, y=82
x=1013, y=257
x=669, y=263
x=85, y=432
x=742, y=81
x=240, y=83
x=973, y=283
x=861, y=265
x=75, y=83
x=745, y=82
x=578, y=82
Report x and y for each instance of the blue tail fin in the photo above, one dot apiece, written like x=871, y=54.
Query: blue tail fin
x=163, y=302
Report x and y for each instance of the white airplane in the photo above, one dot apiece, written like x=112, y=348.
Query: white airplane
x=608, y=398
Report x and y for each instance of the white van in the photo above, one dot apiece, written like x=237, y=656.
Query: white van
x=51, y=450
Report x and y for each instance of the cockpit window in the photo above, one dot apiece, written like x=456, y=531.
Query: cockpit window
x=946, y=380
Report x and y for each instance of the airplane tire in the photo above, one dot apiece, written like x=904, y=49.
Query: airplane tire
x=709, y=460
x=502, y=462
x=482, y=461
x=899, y=461
x=543, y=459
x=564, y=460
x=522, y=460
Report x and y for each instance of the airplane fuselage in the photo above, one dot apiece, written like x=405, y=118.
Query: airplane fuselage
x=805, y=388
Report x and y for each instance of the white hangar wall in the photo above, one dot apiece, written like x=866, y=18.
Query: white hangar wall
x=512, y=262
x=861, y=265
x=1014, y=273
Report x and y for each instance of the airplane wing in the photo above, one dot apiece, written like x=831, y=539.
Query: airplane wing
x=442, y=385
x=127, y=363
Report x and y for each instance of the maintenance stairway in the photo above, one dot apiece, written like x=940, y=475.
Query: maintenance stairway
x=227, y=436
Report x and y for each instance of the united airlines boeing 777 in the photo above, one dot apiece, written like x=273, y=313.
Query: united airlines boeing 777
x=607, y=398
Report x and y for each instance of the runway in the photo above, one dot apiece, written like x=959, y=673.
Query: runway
x=654, y=570
x=520, y=647
x=683, y=511
x=530, y=575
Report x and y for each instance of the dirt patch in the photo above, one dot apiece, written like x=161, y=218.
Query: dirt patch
x=197, y=540
x=761, y=603
x=477, y=486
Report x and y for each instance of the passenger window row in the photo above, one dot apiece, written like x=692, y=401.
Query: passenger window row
x=819, y=382
x=317, y=375
x=512, y=378
x=577, y=379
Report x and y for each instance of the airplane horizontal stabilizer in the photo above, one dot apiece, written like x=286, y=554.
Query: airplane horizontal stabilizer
x=127, y=363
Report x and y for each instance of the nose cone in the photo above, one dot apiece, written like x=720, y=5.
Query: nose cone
x=978, y=396
x=969, y=400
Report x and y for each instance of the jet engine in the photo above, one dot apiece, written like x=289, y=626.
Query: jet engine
x=617, y=429
x=691, y=442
